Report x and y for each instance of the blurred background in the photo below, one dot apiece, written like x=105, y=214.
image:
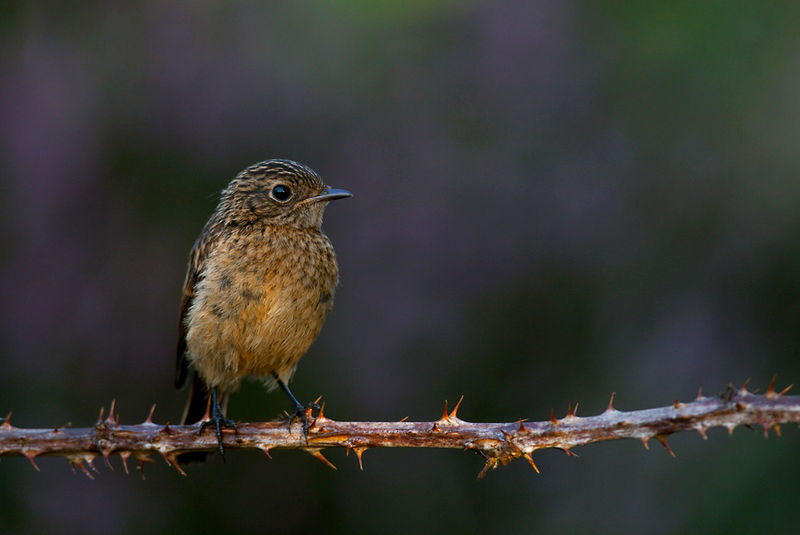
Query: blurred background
x=553, y=201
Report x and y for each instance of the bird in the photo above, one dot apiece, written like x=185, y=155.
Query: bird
x=260, y=281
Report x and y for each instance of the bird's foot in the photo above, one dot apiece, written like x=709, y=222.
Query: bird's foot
x=302, y=413
x=299, y=411
x=218, y=420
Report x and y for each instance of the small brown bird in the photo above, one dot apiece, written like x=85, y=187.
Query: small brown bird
x=260, y=282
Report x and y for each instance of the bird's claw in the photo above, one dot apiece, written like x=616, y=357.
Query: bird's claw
x=302, y=413
x=218, y=421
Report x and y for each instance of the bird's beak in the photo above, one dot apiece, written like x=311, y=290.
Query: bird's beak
x=330, y=194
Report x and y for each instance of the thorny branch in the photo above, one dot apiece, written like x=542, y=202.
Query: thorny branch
x=498, y=443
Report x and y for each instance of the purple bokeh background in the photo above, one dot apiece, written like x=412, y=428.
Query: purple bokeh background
x=553, y=201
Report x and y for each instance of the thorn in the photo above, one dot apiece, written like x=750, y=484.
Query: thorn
x=743, y=390
x=528, y=458
x=265, y=449
x=106, y=454
x=782, y=392
x=316, y=452
x=677, y=404
x=7, y=421
x=360, y=451
x=100, y=417
x=141, y=459
x=80, y=464
x=702, y=431
x=491, y=462
x=165, y=430
x=730, y=428
x=124, y=456
x=521, y=428
x=444, y=414
x=777, y=428
x=553, y=419
x=455, y=410
x=140, y=467
x=404, y=418
x=569, y=452
x=663, y=441
x=646, y=443
x=111, y=418
x=149, y=419
x=309, y=418
x=172, y=461
x=771, y=388
x=321, y=415
x=90, y=462
x=699, y=393
x=571, y=411
x=766, y=430
x=31, y=455
x=610, y=407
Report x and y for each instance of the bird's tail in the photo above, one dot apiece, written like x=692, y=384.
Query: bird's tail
x=197, y=410
x=197, y=404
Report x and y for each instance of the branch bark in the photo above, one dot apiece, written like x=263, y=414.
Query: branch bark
x=498, y=443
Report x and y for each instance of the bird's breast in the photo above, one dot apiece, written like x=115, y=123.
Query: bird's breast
x=260, y=303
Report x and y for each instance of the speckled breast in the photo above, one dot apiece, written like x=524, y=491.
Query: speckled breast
x=259, y=304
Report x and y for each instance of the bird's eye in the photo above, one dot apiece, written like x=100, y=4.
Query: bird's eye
x=281, y=193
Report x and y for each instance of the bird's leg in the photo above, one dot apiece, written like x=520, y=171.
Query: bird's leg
x=218, y=420
x=299, y=410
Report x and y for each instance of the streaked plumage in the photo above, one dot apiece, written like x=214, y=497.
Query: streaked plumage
x=261, y=279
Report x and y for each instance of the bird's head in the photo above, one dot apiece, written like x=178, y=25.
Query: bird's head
x=277, y=192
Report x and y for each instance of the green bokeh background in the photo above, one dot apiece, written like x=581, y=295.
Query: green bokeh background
x=553, y=201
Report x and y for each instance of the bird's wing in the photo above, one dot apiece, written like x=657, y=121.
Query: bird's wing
x=197, y=259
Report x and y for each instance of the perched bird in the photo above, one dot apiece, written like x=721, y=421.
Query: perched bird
x=261, y=280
